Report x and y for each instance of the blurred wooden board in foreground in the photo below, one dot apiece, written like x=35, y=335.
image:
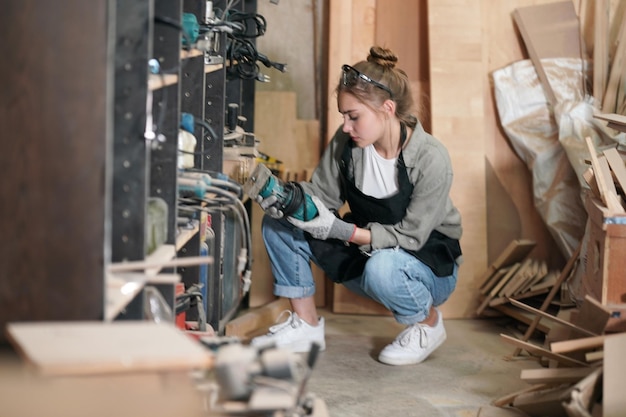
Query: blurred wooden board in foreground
x=81, y=348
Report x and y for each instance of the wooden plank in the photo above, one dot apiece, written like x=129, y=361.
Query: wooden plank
x=547, y=402
x=80, y=348
x=551, y=317
x=493, y=280
x=573, y=345
x=522, y=316
x=457, y=107
x=257, y=320
x=609, y=198
x=523, y=296
x=594, y=356
x=593, y=315
x=613, y=398
x=586, y=13
x=402, y=26
x=605, y=266
x=544, y=306
x=590, y=179
x=353, y=21
x=542, y=274
x=610, y=102
x=496, y=289
x=493, y=411
x=617, y=166
x=607, y=175
x=537, y=350
x=549, y=31
x=515, y=251
x=549, y=281
x=346, y=302
x=618, y=120
x=554, y=375
x=520, y=277
x=600, y=49
x=509, y=398
x=261, y=290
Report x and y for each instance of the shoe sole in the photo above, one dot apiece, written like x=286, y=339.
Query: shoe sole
x=409, y=361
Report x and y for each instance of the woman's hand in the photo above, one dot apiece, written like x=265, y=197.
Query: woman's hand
x=326, y=225
x=270, y=206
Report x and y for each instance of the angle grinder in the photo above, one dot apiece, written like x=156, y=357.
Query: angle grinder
x=290, y=197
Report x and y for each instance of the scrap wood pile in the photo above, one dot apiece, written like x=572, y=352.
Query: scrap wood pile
x=567, y=344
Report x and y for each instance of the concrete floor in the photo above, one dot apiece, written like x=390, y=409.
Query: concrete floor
x=461, y=377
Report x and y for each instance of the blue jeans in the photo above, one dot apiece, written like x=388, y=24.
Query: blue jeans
x=393, y=277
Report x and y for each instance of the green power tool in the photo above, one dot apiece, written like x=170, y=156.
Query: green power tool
x=290, y=197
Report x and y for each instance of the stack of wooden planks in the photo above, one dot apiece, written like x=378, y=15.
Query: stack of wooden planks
x=515, y=276
x=571, y=379
x=606, y=177
x=565, y=342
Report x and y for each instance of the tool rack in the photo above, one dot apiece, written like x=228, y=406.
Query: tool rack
x=185, y=83
x=87, y=162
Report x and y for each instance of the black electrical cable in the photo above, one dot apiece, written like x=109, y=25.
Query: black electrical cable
x=254, y=25
x=242, y=56
x=207, y=126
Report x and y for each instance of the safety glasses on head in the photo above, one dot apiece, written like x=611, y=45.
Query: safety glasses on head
x=351, y=76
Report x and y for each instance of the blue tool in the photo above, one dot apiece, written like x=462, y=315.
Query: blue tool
x=291, y=199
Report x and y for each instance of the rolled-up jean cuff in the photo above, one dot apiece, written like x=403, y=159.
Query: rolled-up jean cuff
x=293, y=292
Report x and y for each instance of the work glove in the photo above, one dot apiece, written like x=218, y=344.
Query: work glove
x=270, y=206
x=325, y=225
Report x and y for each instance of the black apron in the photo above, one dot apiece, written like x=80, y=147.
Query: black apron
x=342, y=261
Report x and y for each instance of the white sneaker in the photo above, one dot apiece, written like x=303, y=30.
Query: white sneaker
x=414, y=343
x=294, y=334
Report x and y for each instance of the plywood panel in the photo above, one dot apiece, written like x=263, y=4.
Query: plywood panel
x=402, y=26
x=351, y=33
x=457, y=110
x=549, y=31
x=352, y=21
x=509, y=183
x=614, y=401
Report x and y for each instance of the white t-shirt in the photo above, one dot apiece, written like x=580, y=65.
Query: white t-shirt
x=379, y=176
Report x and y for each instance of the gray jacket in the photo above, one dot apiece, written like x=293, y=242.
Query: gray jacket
x=430, y=171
